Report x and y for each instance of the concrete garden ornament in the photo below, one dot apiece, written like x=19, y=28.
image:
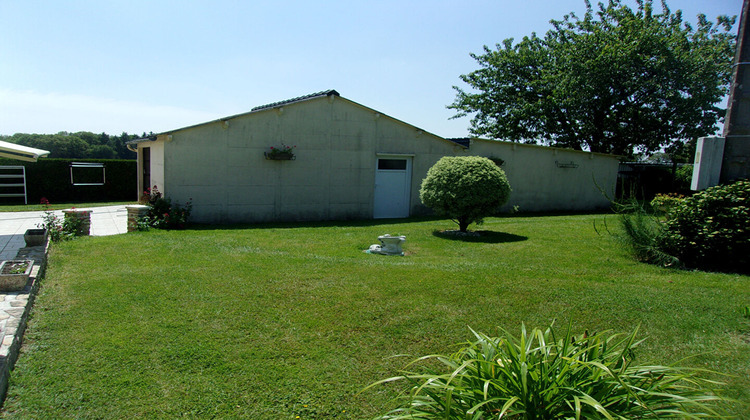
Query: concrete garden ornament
x=14, y=274
x=389, y=245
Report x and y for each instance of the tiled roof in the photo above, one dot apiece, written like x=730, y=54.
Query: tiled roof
x=301, y=98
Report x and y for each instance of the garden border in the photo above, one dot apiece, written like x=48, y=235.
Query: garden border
x=14, y=313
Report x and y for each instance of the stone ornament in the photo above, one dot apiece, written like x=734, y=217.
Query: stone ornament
x=389, y=245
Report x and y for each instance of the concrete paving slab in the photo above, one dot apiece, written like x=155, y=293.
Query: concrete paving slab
x=109, y=220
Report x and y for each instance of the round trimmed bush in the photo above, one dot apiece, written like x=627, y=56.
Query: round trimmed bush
x=465, y=188
x=711, y=229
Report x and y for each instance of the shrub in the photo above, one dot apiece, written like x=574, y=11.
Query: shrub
x=162, y=213
x=711, y=229
x=683, y=177
x=466, y=189
x=664, y=203
x=59, y=230
x=537, y=376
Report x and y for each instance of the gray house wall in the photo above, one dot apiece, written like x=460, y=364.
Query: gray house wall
x=552, y=179
x=221, y=167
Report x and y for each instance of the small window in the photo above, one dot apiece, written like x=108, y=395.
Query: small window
x=82, y=173
x=392, y=164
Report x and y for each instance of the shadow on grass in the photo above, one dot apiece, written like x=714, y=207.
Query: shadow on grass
x=312, y=224
x=483, y=236
x=486, y=236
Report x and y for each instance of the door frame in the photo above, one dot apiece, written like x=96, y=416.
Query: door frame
x=145, y=158
x=409, y=158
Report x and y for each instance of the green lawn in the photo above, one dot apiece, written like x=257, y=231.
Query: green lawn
x=280, y=321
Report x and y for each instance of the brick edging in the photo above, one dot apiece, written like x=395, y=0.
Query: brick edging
x=10, y=346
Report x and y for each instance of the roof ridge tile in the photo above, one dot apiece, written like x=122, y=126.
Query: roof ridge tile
x=329, y=92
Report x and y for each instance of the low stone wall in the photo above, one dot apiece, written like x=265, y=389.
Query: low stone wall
x=135, y=212
x=14, y=312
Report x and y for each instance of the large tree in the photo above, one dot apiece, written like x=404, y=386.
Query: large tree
x=616, y=81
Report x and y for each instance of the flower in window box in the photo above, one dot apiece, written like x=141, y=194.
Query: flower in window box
x=282, y=152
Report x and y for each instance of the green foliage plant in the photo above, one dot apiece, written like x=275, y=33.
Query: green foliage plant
x=541, y=376
x=465, y=188
x=641, y=232
x=59, y=229
x=281, y=150
x=684, y=175
x=15, y=267
x=163, y=213
x=663, y=203
x=711, y=229
x=615, y=80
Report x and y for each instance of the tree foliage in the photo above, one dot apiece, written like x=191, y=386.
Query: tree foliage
x=80, y=145
x=465, y=188
x=616, y=80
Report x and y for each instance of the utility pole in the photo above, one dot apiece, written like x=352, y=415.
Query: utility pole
x=738, y=109
x=736, y=159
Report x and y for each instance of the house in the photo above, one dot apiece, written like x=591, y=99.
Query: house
x=350, y=162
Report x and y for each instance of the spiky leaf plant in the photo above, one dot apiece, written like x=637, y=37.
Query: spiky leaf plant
x=538, y=376
x=641, y=233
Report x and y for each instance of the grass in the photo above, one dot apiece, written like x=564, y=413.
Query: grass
x=281, y=321
x=58, y=206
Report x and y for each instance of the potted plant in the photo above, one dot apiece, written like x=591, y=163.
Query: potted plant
x=283, y=152
x=14, y=274
x=35, y=237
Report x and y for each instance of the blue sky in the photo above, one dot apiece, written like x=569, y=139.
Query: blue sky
x=151, y=65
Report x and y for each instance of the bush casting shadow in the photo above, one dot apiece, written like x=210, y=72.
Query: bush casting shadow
x=484, y=236
x=311, y=224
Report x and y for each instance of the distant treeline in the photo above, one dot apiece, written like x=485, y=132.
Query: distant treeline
x=80, y=145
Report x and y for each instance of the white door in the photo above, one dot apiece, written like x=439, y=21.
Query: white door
x=392, y=187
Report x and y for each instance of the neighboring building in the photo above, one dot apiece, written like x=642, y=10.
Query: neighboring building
x=351, y=162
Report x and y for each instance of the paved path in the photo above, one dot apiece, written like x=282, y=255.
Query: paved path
x=110, y=220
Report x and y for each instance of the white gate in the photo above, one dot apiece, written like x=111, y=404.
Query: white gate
x=13, y=189
x=392, y=187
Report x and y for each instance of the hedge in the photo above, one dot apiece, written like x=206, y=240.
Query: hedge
x=50, y=178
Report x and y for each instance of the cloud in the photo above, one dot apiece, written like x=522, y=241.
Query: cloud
x=45, y=113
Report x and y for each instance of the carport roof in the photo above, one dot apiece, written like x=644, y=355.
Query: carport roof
x=16, y=151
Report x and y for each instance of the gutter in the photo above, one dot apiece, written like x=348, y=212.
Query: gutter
x=132, y=145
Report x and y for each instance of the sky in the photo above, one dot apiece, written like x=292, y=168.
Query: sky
x=155, y=65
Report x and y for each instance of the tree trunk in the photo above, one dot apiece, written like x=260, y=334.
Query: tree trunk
x=463, y=224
